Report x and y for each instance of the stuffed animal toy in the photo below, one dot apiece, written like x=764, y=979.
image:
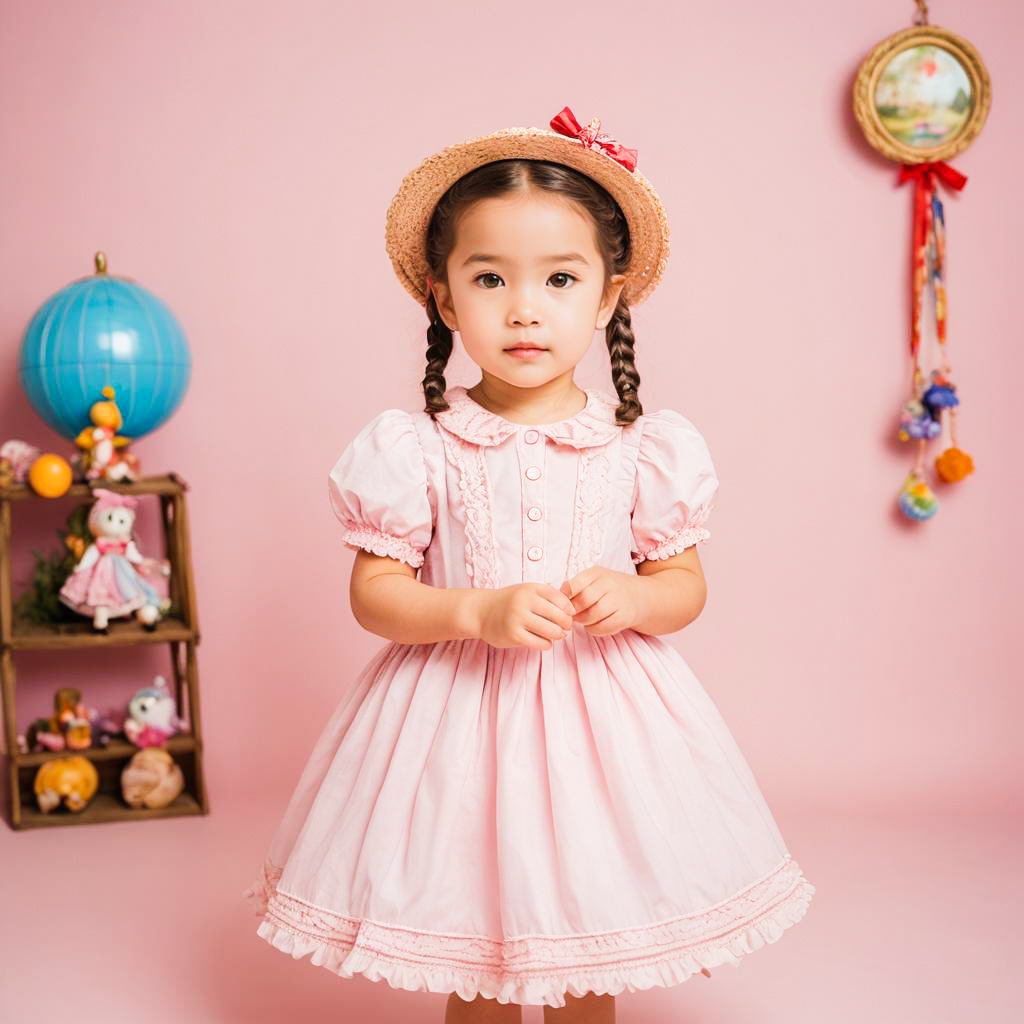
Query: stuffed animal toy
x=152, y=715
x=72, y=780
x=151, y=779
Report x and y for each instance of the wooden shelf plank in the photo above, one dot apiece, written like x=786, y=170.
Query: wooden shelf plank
x=180, y=744
x=105, y=807
x=32, y=636
x=168, y=483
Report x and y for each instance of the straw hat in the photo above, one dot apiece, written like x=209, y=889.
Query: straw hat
x=587, y=149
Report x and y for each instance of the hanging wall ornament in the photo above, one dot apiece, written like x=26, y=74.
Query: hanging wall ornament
x=921, y=96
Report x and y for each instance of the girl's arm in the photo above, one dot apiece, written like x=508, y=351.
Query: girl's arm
x=672, y=592
x=389, y=601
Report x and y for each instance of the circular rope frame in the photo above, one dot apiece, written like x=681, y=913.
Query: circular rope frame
x=867, y=80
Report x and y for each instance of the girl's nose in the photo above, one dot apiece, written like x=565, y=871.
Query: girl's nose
x=522, y=314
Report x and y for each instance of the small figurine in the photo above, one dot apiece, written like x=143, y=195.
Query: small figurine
x=44, y=735
x=107, y=726
x=100, y=443
x=152, y=716
x=70, y=726
x=105, y=583
x=71, y=779
x=73, y=718
x=16, y=457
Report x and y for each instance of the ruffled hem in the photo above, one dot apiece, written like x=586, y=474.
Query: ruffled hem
x=534, y=970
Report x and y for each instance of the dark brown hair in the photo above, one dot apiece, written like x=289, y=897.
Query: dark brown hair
x=498, y=178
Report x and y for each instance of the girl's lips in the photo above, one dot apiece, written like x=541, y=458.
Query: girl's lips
x=526, y=353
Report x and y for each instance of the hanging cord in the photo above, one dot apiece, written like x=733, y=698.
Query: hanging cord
x=923, y=250
x=921, y=14
x=934, y=402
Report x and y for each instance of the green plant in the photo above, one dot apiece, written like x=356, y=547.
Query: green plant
x=41, y=603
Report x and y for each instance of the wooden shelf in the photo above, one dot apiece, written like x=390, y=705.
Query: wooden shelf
x=105, y=807
x=27, y=636
x=180, y=631
x=179, y=744
x=168, y=484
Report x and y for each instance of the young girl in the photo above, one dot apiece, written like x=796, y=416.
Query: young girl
x=527, y=797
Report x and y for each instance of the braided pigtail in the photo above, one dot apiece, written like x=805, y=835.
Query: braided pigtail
x=625, y=377
x=439, y=350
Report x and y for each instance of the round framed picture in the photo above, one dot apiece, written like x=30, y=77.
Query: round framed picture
x=922, y=94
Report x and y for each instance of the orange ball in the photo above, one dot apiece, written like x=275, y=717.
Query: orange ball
x=50, y=476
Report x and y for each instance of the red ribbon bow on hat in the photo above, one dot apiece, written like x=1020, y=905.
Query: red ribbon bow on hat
x=565, y=123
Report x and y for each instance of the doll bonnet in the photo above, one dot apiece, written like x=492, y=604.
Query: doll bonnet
x=106, y=499
x=611, y=164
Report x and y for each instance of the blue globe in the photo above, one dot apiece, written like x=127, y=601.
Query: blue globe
x=98, y=331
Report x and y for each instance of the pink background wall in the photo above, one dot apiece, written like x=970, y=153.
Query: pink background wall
x=238, y=158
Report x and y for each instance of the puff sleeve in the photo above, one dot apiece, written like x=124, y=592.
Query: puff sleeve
x=675, y=487
x=379, y=490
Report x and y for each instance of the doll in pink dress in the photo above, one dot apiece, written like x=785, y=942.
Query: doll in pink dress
x=108, y=580
x=527, y=796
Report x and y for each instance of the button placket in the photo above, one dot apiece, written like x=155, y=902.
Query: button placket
x=531, y=457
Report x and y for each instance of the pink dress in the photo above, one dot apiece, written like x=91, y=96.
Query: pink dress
x=512, y=822
x=108, y=577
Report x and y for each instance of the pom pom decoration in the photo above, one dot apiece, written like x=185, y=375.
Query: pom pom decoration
x=953, y=465
x=916, y=499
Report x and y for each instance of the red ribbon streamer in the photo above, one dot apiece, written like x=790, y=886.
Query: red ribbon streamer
x=565, y=123
x=924, y=176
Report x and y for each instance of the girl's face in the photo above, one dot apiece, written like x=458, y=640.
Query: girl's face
x=526, y=267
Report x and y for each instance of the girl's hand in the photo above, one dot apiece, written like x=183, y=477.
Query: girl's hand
x=605, y=601
x=524, y=615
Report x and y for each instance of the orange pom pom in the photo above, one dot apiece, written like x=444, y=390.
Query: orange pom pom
x=953, y=465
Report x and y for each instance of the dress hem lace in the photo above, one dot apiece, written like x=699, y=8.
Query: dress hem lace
x=533, y=970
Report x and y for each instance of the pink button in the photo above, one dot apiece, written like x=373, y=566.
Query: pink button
x=533, y=472
x=534, y=553
x=530, y=437
x=534, y=513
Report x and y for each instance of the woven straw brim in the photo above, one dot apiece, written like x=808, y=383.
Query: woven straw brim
x=410, y=210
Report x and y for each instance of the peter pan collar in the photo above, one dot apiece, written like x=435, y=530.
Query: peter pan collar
x=593, y=425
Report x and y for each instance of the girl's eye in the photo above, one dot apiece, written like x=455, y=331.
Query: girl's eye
x=560, y=274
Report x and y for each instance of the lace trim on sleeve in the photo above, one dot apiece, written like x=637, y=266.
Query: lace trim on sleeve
x=377, y=542
x=679, y=541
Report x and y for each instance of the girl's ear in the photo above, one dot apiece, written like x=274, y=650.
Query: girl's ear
x=611, y=299
x=443, y=300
